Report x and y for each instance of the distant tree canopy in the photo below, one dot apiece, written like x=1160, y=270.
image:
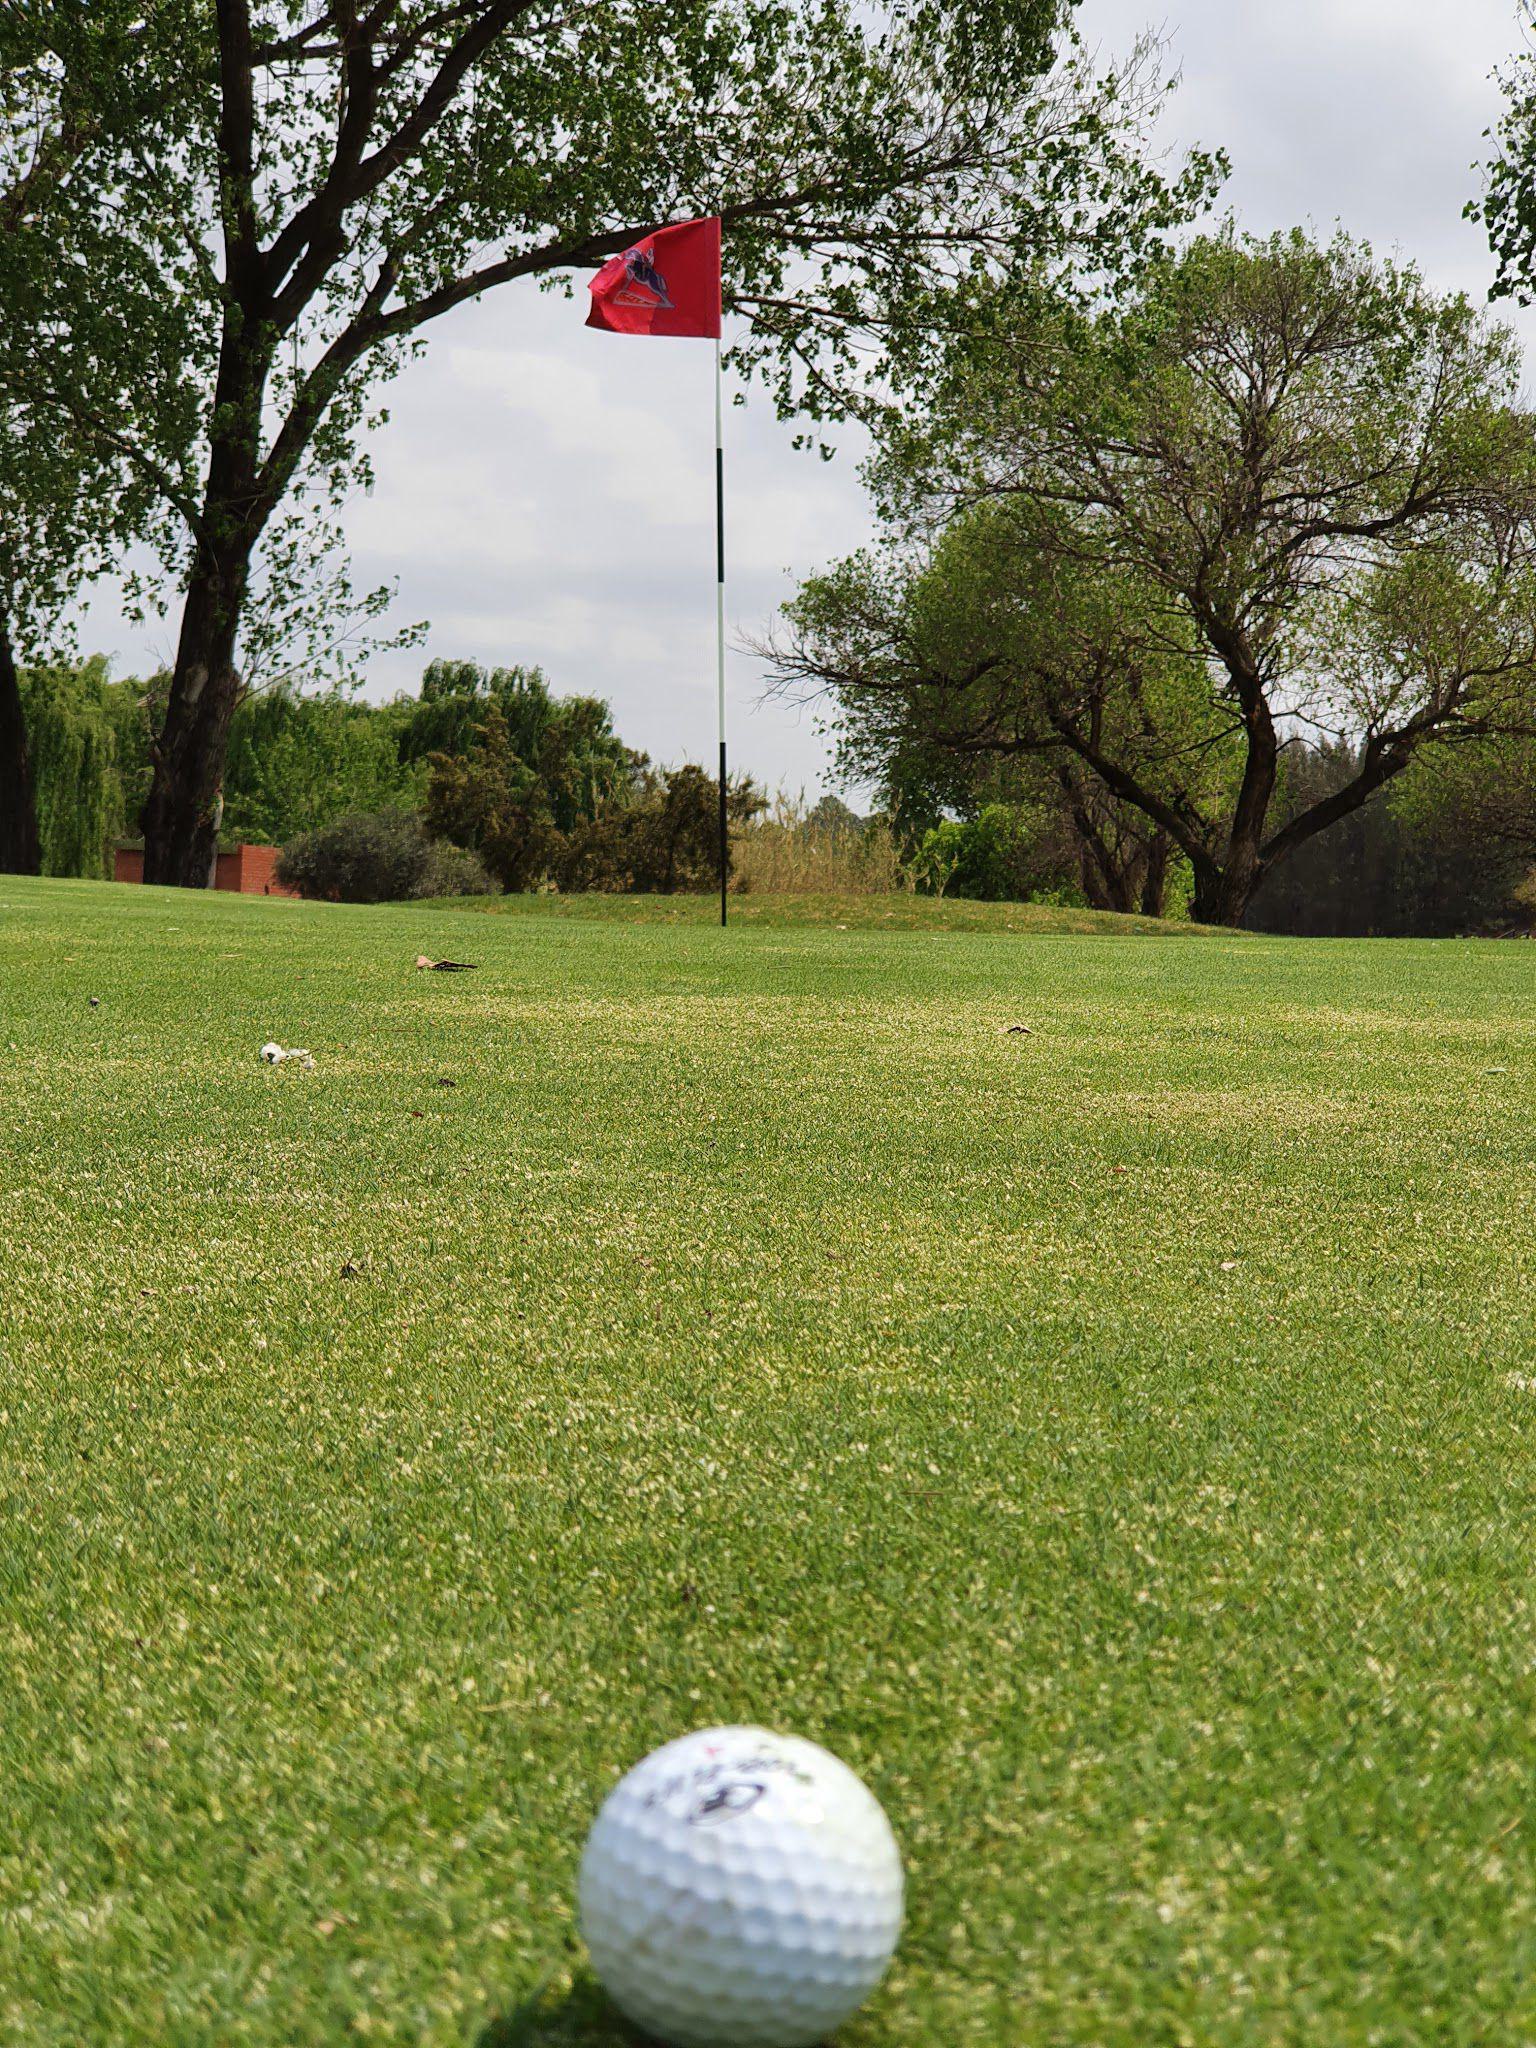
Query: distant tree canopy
x=549, y=799
x=537, y=786
x=75, y=766
x=567, y=742
x=1282, y=487
x=297, y=763
x=337, y=781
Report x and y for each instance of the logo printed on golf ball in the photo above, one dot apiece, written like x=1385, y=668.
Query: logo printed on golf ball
x=726, y=1801
x=741, y=1890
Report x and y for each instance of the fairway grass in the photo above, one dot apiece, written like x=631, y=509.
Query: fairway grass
x=900, y=911
x=1116, y=1440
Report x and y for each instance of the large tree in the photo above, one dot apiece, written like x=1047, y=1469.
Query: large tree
x=934, y=661
x=1285, y=489
x=369, y=165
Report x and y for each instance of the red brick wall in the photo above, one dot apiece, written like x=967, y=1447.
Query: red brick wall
x=249, y=870
x=252, y=870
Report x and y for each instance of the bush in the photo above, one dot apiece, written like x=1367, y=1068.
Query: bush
x=496, y=805
x=455, y=871
x=665, y=840
x=592, y=857
x=670, y=834
x=378, y=857
x=1006, y=853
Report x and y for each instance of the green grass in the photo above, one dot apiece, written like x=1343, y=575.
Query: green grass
x=845, y=913
x=1103, y=1438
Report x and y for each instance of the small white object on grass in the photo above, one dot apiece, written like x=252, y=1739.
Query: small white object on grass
x=740, y=1890
x=276, y=1055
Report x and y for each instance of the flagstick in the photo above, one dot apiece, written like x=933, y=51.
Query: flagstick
x=725, y=831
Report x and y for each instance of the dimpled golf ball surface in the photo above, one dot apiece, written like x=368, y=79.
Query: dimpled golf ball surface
x=740, y=1890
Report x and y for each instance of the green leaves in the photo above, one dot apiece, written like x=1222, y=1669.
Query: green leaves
x=1507, y=207
x=94, y=425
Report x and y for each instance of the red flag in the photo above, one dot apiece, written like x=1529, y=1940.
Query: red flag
x=667, y=284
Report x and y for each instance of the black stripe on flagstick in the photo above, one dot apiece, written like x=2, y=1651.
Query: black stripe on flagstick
x=720, y=512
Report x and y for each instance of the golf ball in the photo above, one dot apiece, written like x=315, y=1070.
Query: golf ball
x=740, y=1890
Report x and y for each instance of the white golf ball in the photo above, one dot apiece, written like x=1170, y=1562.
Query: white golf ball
x=740, y=1890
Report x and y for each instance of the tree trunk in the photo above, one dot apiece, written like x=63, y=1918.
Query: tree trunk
x=1154, y=882
x=1090, y=879
x=181, y=815
x=1223, y=896
x=20, y=848
x=1227, y=892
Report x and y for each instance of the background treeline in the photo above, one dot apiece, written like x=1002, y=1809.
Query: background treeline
x=537, y=789
x=488, y=780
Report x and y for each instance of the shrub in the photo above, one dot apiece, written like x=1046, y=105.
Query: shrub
x=455, y=871
x=666, y=839
x=378, y=857
x=670, y=834
x=937, y=858
x=592, y=857
x=1006, y=853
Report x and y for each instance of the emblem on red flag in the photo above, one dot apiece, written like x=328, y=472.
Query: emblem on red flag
x=643, y=283
x=669, y=283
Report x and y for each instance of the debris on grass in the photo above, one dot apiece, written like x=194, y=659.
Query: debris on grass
x=277, y=1055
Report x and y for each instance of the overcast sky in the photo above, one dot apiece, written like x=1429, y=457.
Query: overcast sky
x=545, y=493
